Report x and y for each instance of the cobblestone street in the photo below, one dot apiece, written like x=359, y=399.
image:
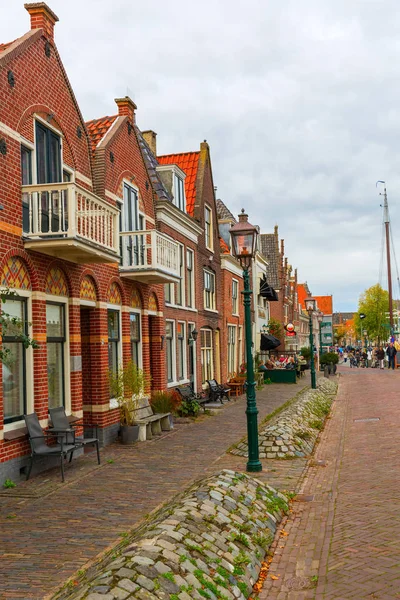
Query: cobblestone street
x=49, y=530
x=341, y=539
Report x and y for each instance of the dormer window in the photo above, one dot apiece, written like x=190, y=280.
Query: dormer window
x=179, y=193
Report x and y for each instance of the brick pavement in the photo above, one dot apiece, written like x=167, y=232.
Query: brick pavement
x=341, y=540
x=50, y=530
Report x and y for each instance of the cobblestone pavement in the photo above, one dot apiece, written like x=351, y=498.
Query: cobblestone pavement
x=50, y=530
x=342, y=539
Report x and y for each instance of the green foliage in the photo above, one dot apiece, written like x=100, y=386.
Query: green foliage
x=241, y=538
x=306, y=352
x=316, y=424
x=9, y=484
x=169, y=575
x=164, y=402
x=13, y=326
x=275, y=328
x=374, y=303
x=189, y=408
x=329, y=357
x=127, y=384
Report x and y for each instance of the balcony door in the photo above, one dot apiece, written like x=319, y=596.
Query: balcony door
x=53, y=204
x=132, y=246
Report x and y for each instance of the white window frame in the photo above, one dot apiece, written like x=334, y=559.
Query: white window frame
x=204, y=351
x=181, y=254
x=235, y=309
x=116, y=308
x=33, y=147
x=137, y=311
x=30, y=398
x=208, y=228
x=209, y=292
x=190, y=276
x=67, y=359
x=184, y=352
x=173, y=381
x=179, y=196
x=232, y=357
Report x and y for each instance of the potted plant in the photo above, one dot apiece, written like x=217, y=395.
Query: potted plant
x=127, y=385
x=331, y=359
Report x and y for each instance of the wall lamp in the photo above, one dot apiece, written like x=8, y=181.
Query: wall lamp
x=193, y=336
x=162, y=341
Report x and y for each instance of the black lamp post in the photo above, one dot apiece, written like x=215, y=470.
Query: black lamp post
x=244, y=240
x=310, y=308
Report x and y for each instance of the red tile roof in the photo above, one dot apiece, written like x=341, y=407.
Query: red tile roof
x=188, y=162
x=98, y=128
x=302, y=294
x=324, y=304
x=224, y=246
x=5, y=46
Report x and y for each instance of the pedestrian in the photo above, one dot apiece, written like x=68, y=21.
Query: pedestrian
x=380, y=355
x=345, y=355
x=369, y=357
x=391, y=354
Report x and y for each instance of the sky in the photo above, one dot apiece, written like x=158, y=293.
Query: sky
x=298, y=100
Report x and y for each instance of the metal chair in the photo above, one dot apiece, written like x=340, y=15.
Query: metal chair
x=60, y=422
x=217, y=390
x=39, y=448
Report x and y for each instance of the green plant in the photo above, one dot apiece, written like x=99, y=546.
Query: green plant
x=189, y=408
x=242, y=538
x=329, y=357
x=275, y=328
x=163, y=402
x=13, y=326
x=169, y=575
x=243, y=588
x=306, y=352
x=127, y=384
x=110, y=461
x=263, y=540
x=9, y=484
x=316, y=424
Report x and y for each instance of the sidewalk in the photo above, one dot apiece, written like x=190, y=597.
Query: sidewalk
x=50, y=530
x=341, y=540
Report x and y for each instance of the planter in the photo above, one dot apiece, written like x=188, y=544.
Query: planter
x=129, y=434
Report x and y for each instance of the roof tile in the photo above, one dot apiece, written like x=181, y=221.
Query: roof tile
x=188, y=162
x=98, y=128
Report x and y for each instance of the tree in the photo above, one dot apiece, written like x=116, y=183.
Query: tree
x=340, y=334
x=275, y=328
x=374, y=303
x=13, y=326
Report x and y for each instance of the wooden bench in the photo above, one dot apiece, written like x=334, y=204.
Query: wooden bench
x=217, y=391
x=150, y=424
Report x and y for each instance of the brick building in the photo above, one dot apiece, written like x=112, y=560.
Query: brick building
x=114, y=255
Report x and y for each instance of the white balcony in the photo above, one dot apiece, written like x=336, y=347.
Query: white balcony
x=149, y=256
x=68, y=221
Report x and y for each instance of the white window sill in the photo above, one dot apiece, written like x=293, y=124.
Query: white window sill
x=173, y=384
x=213, y=310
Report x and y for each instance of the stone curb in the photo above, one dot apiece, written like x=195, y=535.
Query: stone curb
x=210, y=544
x=294, y=431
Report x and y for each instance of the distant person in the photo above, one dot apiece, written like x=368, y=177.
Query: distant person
x=262, y=367
x=345, y=356
x=380, y=355
x=391, y=354
x=369, y=357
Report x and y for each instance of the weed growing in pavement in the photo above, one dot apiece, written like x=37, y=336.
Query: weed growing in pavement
x=9, y=484
x=242, y=538
x=263, y=540
x=110, y=461
x=169, y=575
x=316, y=424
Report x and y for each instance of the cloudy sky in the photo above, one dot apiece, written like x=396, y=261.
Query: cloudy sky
x=299, y=101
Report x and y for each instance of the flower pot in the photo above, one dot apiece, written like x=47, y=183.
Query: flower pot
x=129, y=434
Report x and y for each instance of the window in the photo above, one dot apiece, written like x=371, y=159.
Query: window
x=169, y=335
x=26, y=176
x=231, y=350
x=180, y=285
x=209, y=290
x=234, y=297
x=113, y=340
x=132, y=247
x=168, y=293
x=181, y=351
x=48, y=155
x=189, y=279
x=135, y=338
x=207, y=364
x=179, y=193
x=208, y=227
x=55, y=330
x=14, y=368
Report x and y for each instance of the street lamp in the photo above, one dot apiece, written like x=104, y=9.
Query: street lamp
x=320, y=316
x=310, y=308
x=365, y=332
x=244, y=240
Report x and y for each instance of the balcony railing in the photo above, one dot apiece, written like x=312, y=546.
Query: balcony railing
x=59, y=216
x=149, y=256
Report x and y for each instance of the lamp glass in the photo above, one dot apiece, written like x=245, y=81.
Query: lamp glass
x=310, y=304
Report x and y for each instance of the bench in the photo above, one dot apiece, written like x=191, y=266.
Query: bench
x=217, y=391
x=186, y=392
x=150, y=424
x=281, y=375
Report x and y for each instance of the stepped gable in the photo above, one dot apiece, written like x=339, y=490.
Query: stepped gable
x=188, y=162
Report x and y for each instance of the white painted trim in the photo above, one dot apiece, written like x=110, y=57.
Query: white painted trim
x=67, y=351
x=82, y=177
x=230, y=264
x=11, y=132
x=153, y=313
x=47, y=124
x=113, y=196
x=174, y=338
x=179, y=227
x=117, y=120
x=174, y=168
x=90, y=303
x=185, y=343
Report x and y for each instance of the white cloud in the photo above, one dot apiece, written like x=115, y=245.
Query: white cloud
x=299, y=102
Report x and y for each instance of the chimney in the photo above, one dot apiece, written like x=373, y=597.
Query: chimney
x=150, y=137
x=42, y=17
x=126, y=108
